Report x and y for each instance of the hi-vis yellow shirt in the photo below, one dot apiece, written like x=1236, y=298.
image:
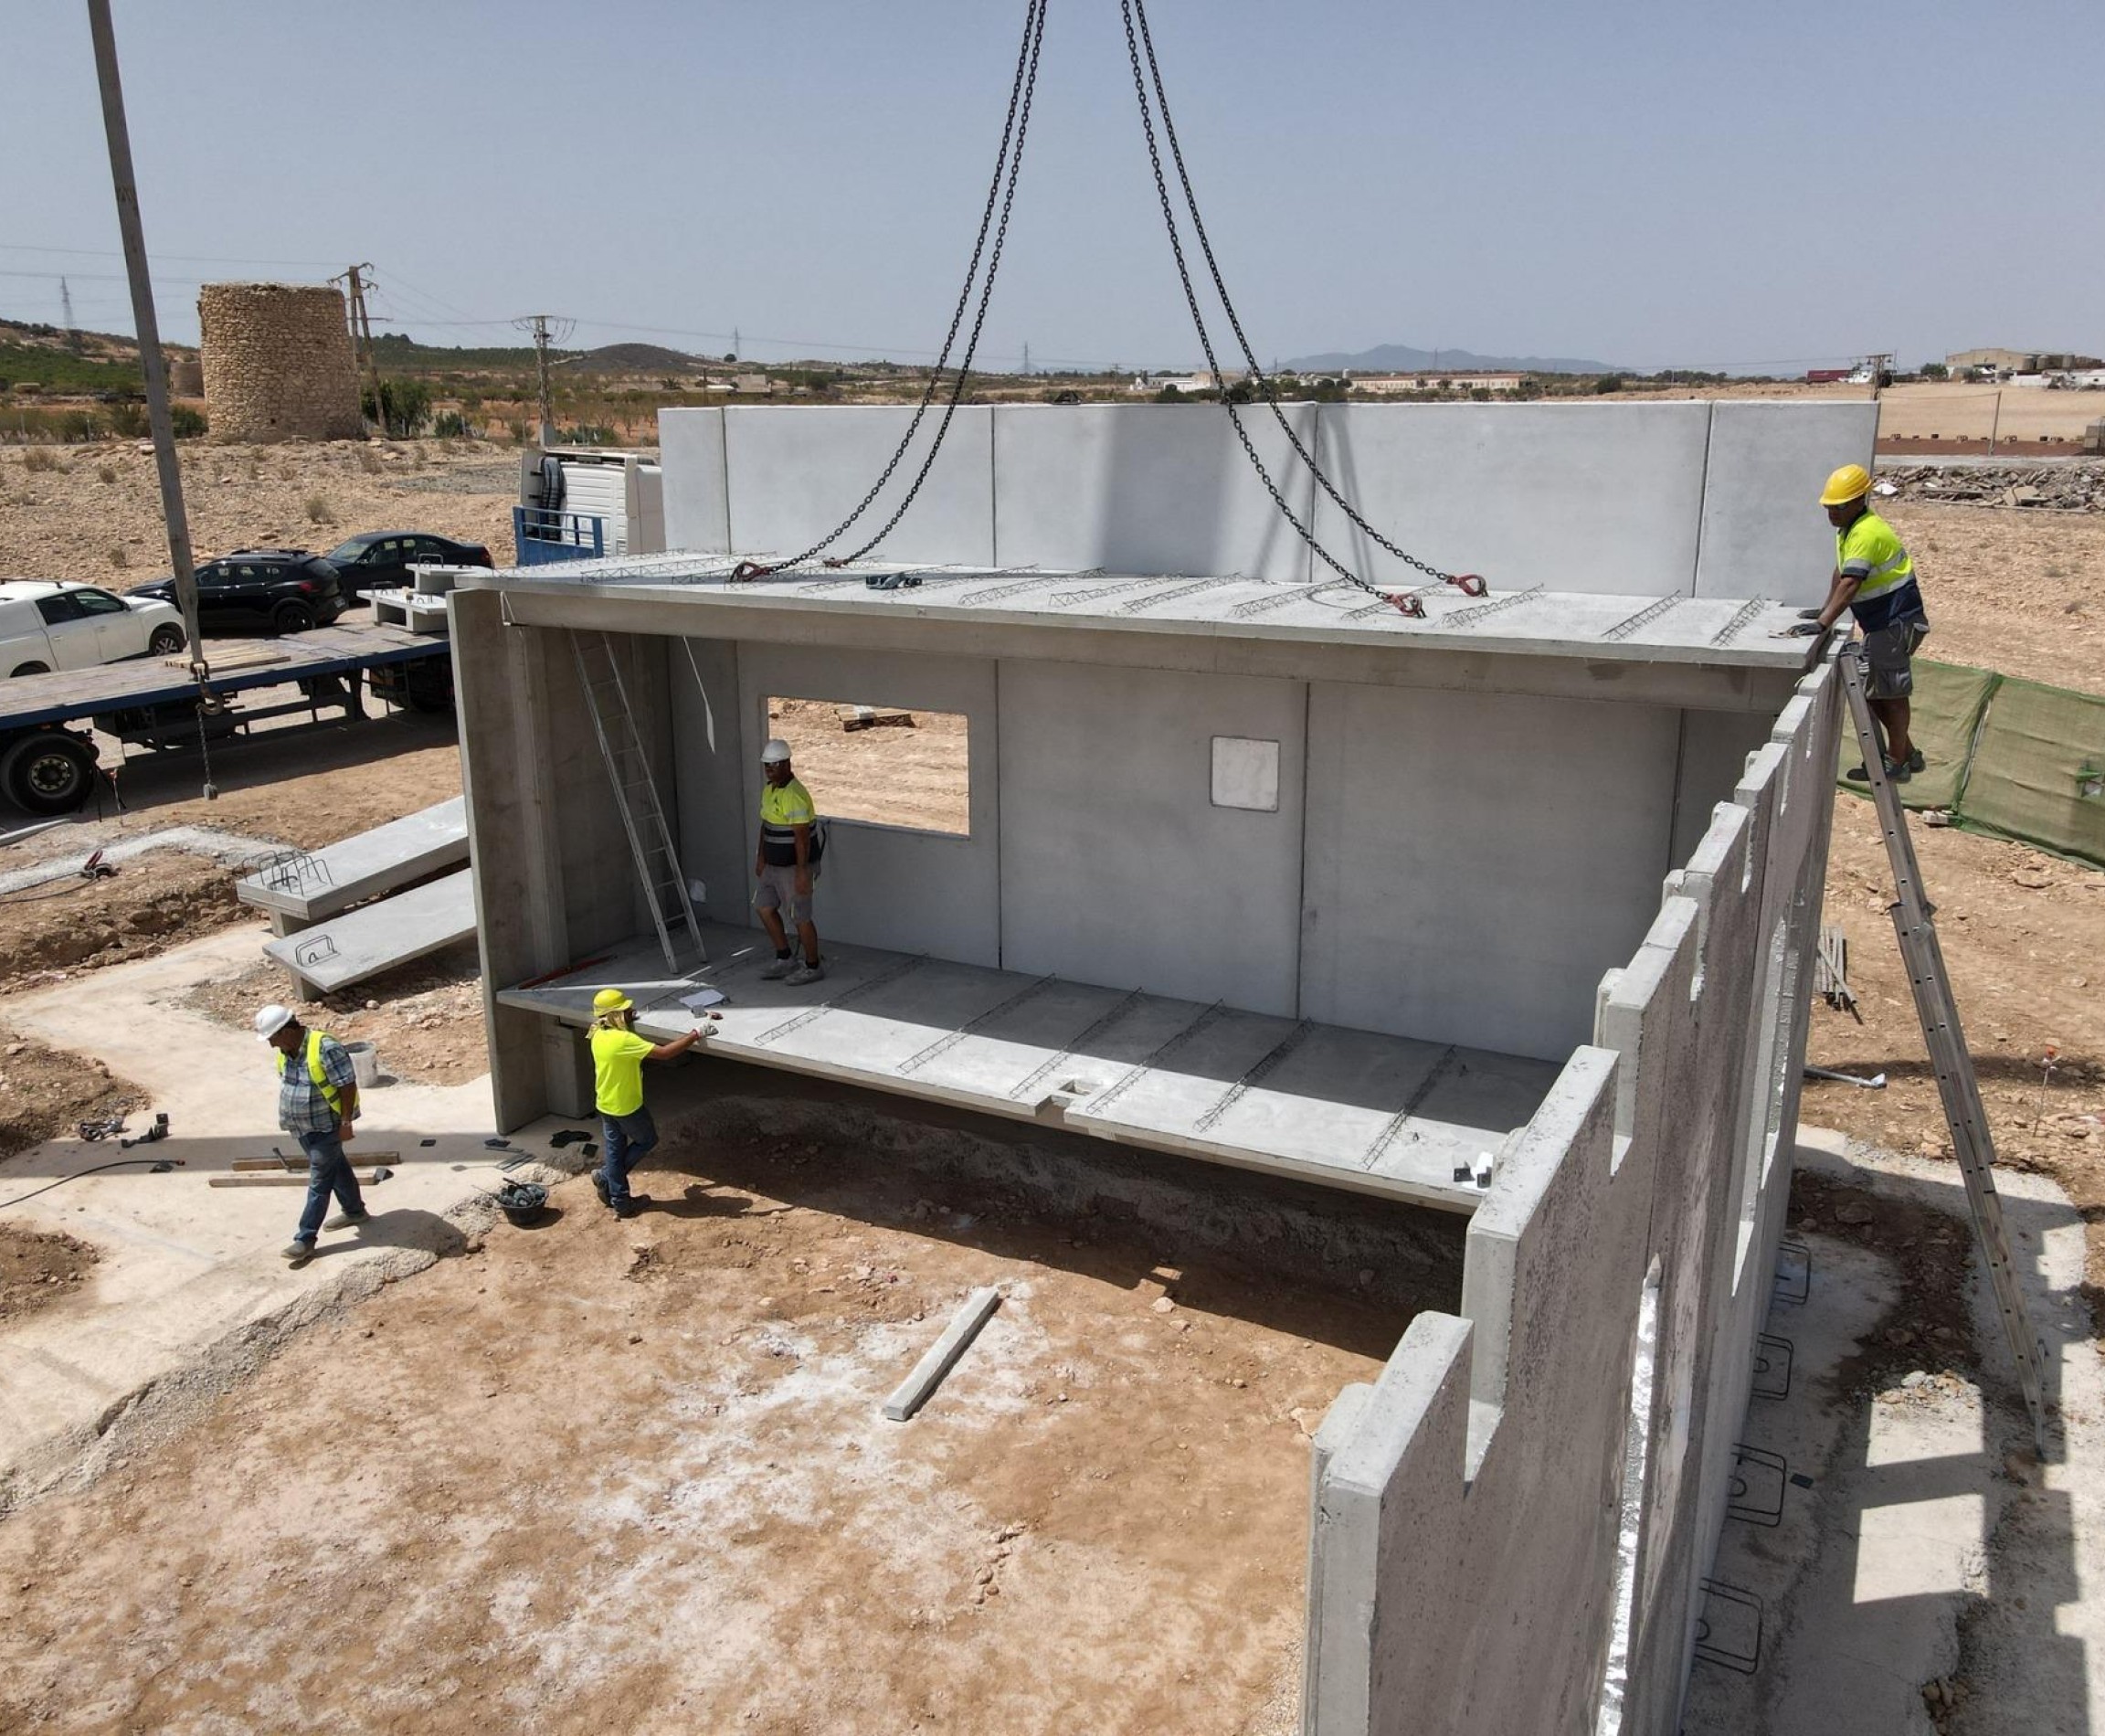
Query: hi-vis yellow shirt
x=780, y=811
x=617, y=1070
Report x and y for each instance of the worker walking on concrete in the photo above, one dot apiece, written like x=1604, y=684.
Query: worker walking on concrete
x=626, y=1130
x=1874, y=580
x=317, y=1103
x=786, y=866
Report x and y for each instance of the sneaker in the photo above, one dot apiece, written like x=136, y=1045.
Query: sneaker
x=1915, y=760
x=297, y=1252
x=599, y=1187
x=803, y=974
x=779, y=968
x=348, y=1220
x=634, y=1203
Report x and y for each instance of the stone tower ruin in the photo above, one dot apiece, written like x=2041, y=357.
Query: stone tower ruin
x=278, y=363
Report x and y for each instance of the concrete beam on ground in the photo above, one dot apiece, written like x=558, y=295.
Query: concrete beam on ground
x=378, y=936
x=308, y=887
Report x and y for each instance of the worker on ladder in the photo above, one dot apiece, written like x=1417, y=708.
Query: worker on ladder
x=1874, y=580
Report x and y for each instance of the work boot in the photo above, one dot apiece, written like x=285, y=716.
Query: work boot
x=599, y=1187
x=348, y=1220
x=296, y=1254
x=803, y=974
x=779, y=968
x=1914, y=761
x=634, y=1203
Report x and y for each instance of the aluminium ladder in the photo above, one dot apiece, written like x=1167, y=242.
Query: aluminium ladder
x=636, y=793
x=1956, y=1083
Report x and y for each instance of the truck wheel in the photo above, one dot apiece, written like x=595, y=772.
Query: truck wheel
x=166, y=641
x=290, y=618
x=49, y=772
x=31, y=669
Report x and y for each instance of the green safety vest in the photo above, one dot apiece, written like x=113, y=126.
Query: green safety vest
x=319, y=1074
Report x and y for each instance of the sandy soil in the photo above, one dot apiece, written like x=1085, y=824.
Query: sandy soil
x=910, y=772
x=1952, y=410
x=39, y=1268
x=69, y=522
x=45, y=1093
x=2011, y=590
x=165, y=897
x=605, y=1476
x=2024, y=939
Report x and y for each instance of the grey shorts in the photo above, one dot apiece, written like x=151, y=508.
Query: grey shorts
x=778, y=891
x=1886, y=654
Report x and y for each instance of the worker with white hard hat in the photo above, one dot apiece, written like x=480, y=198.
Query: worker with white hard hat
x=317, y=1103
x=791, y=842
x=626, y=1129
x=1874, y=581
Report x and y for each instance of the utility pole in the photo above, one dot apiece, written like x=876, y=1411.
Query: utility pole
x=1881, y=364
x=354, y=288
x=1026, y=357
x=72, y=329
x=152, y=363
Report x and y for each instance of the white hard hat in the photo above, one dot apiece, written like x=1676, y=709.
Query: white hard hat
x=776, y=753
x=271, y=1020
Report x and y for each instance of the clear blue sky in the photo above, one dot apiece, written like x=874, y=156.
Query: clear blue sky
x=1652, y=184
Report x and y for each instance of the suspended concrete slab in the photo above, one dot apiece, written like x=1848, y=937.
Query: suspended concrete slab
x=1340, y=1107
x=378, y=936
x=300, y=888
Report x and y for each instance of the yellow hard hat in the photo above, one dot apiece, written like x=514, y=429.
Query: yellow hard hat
x=610, y=1000
x=1848, y=483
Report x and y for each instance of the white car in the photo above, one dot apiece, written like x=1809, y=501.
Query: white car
x=46, y=625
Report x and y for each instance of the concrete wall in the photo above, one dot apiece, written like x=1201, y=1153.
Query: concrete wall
x=1642, y=499
x=1508, y=1527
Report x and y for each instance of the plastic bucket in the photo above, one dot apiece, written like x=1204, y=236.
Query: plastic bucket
x=365, y=1063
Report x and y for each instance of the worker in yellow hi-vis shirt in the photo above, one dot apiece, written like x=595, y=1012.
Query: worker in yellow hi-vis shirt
x=1874, y=580
x=786, y=863
x=619, y=1053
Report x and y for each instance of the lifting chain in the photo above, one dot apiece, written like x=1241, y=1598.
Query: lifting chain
x=1409, y=603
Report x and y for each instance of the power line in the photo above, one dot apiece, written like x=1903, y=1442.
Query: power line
x=188, y=259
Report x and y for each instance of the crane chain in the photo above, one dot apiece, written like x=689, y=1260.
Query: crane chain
x=1467, y=582
x=1022, y=87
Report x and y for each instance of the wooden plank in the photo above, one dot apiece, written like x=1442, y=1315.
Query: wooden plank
x=366, y=1178
x=914, y=1392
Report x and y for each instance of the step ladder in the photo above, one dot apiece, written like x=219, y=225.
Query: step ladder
x=1956, y=1081
x=636, y=795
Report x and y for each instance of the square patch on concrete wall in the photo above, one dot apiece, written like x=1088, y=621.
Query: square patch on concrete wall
x=1247, y=774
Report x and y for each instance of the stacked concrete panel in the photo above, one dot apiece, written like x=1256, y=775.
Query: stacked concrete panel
x=1465, y=1568
x=278, y=363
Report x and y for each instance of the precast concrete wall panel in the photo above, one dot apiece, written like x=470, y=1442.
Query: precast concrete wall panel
x=1713, y=749
x=1474, y=862
x=697, y=504
x=1764, y=534
x=1147, y=488
x=884, y=885
x=716, y=752
x=1644, y=1166
x=794, y=474
x=1116, y=868
x=1602, y=498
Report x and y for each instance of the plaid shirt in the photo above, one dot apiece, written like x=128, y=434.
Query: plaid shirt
x=302, y=1107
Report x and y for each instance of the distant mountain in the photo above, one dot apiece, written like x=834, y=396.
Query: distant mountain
x=1400, y=358
x=634, y=358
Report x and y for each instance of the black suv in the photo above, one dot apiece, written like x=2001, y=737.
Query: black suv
x=279, y=590
x=379, y=560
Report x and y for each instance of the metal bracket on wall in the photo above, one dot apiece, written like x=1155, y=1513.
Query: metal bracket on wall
x=1793, y=1279
x=1727, y=1613
x=1774, y=1357
x=1753, y=1470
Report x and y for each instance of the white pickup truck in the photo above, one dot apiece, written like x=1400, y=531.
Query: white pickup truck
x=48, y=625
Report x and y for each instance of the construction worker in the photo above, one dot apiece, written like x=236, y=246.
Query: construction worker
x=317, y=1103
x=626, y=1128
x=785, y=865
x=1874, y=580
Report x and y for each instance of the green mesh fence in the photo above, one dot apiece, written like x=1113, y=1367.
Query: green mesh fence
x=2011, y=759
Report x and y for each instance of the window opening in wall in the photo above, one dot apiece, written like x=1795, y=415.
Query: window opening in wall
x=886, y=765
x=1630, y=1526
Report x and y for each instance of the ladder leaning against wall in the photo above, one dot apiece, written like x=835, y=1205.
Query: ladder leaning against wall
x=1957, y=1085
x=656, y=862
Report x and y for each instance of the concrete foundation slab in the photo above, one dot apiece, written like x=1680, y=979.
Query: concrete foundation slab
x=349, y=948
x=1346, y=1109
x=310, y=887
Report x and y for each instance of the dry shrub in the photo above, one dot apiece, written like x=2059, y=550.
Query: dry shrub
x=319, y=511
x=39, y=457
x=118, y=557
x=106, y=473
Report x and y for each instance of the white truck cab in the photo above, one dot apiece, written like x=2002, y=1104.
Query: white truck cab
x=50, y=624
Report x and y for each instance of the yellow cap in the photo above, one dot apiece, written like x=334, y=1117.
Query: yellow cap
x=1846, y=485
x=611, y=1001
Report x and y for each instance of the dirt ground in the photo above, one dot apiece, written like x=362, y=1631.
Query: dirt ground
x=69, y=522
x=39, y=1268
x=901, y=773
x=602, y=1476
x=45, y=1093
x=1917, y=411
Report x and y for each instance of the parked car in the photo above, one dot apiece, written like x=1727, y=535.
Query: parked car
x=281, y=590
x=380, y=560
x=48, y=625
